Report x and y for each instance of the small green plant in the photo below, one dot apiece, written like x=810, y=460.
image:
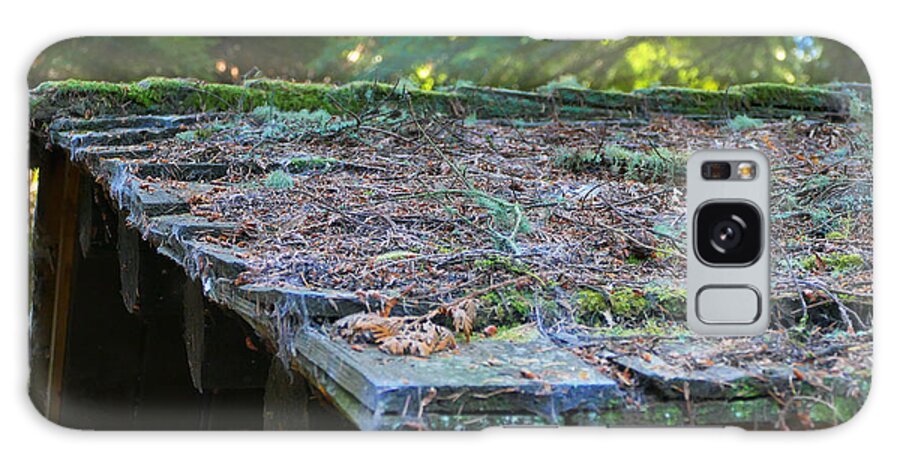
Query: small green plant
x=860, y=110
x=307, y=163
x=509, y=216
x=279, y=180
x=626, y=302
x=395, y=255
x=508, y=307
x=577, y=160
x=283, y=125
x=594, y=307
x=517, y=334
x=742, y=122
x=202, y=133
x=654, y=165
x=205, y=132
x=837, y=263
x=567, y=82
x=671, y=300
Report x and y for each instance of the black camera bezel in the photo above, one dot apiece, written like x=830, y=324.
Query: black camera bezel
x=754, y=231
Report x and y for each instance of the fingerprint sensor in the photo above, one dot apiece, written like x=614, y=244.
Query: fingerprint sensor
x=723, y=304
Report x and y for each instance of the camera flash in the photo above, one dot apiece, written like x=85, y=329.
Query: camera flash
x=746, y=170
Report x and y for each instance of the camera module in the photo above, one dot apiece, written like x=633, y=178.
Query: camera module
x=728, y=233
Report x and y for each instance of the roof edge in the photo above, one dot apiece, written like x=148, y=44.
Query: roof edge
x=156, y=95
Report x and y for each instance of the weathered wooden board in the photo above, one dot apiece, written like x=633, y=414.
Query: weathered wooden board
x=286, y=402
x=220, y=354
x=487, y=377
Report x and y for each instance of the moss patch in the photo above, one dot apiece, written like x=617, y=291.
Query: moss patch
x=837, y=263
x=166, y=95
x=742, y=122
x=279, y=180
x=519, y=334
x=594, y=307
x=654, y=165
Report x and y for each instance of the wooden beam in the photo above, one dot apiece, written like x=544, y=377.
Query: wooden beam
x=129, y=265
x=286, y=402
x=222, y=351
x=66, y=239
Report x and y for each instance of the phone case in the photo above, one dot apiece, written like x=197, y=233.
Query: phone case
x=436, y=233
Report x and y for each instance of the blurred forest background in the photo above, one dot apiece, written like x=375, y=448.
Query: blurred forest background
x=430, y=62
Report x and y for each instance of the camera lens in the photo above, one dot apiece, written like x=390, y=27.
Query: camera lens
x=728, y=233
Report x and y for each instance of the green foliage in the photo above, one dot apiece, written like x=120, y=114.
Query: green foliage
x=511, y=62
x=508, y=219
x=860, y=110
x=283, y=125
x=654, y=165
x=671, y=300
x=394, y=255
x=574, y=160
x=623, y=303
x=595, y=307
x=516, y=334
x=626, y=302
x=509, y=216
x=742, y=122
x=508, y=307
x=200, y=134
x=568, y=82
x=171, y=96
x=837, y=263
x=504, y=263
x=279, y=180
x=309, y=163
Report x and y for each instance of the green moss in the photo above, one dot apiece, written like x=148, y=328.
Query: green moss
x=623, y=302
x=789, y=96
x=504, y=263
x=742, y=122
x=568, y=82
x=626, y=302
x=517, y=334
x=837, y=263
x=650, y=305
x=167, y=95
x=577, y=160
x=279, y=180
x=312, y=163
x=394, y=256
x=685, y=101
x=655, y=165
x=511, y=307
x=293, y=125
x=202, y=133
x=592, y=306
x=672, y=300
x=665, y=414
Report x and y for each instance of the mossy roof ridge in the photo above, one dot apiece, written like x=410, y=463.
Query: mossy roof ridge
x=157, y=95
